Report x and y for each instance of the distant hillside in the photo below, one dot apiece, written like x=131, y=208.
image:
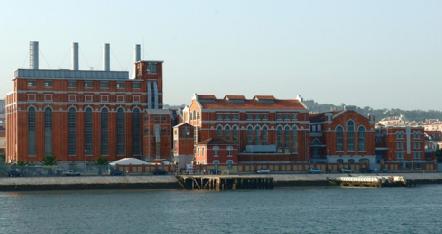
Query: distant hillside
x=414, y=115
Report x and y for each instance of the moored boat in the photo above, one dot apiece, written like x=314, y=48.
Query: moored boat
x=370, y=181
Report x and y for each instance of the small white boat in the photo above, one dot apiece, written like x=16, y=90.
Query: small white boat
x=370, y=181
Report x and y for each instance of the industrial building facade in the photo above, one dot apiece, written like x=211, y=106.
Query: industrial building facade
x=80, y=115
x=235, y=129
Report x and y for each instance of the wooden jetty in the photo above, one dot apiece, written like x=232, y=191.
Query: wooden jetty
x=224, y=182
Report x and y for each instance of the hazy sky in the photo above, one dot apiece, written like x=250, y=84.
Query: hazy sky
x=379, y=53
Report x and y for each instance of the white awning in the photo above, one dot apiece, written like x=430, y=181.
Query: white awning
x=128, y=161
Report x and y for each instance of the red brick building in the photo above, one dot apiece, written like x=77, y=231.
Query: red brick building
x=342, y=137
x=257, y=130
x=80, y=115
x=402, y=144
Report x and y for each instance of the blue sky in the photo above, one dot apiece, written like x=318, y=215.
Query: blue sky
x=368, y=53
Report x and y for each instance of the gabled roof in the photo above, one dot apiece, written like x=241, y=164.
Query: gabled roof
x=259, y=102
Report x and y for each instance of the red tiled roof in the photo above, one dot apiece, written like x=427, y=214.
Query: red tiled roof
x=264, y=97
x=210, y=97
x=235, y=97
x=214, y=141
x=276, y=104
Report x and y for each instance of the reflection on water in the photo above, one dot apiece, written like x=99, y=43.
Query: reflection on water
x=285, y=210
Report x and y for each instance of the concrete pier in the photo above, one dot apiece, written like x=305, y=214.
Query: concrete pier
x=172, y=182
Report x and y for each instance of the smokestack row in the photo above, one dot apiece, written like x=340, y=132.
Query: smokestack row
x=34, y=55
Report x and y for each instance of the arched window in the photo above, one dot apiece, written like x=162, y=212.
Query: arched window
x=279, y=136
x=249, y=135
x=265, y=135
x=351, y=136
x=219, y=131
x=31, y=131
x=295, y=139
x=72, y=131
x=361, y=138
x=339, y=138
x=120, y=131
x=48, y=131
x=399, y=135
x=104, y=119
x=286, y=136
x=227, y=133
x=257, y=135
x=235, y=134
x=88, y=131
x=136, y=132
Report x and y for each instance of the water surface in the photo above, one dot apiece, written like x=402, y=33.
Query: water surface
x=282, y=210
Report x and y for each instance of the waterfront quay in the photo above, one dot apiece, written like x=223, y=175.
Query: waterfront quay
x=173, y=182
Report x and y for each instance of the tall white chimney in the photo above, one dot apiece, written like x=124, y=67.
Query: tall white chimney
x=75, y=56
x=33, y=54
x=106, y=57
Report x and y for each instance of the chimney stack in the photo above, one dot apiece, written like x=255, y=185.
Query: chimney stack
x=137, y=52
x=75, y=56
x=106, y=57
x=33, y=55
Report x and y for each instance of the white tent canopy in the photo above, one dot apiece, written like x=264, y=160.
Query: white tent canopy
x=128, y=161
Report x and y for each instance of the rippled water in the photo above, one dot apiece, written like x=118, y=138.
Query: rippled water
x=282, y=210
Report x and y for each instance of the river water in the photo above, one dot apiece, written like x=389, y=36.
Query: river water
x=282, y=210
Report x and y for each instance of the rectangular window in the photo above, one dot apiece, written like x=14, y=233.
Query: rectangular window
x=136, y=98
x=72, y=83
x=104, y=98
x=88, y=98
x=417, y=145
x=31, y=97
x=399, y=145
x=89, y=84
x=120, y=98
x=120, y=85
x=48, y=97
x=400, y=155
x=47, y=83
x=417, y=155
x=104, y=84
x=136, y=85
x=215, y=150
x=152, y=68
x=32, y=83
x=72, y=98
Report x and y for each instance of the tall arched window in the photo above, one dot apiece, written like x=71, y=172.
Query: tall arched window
x=120, y=131
x=227, y=133
x=265, y=135
x=88, y=131
x=286, y=136
x=279, y=136
x=257, y=135
x=339, y=138
x=136, y=132
x=219, y=131
x=295, y=139
x=361, y=138
x=104, y=119
x=31, y=131
x=249, y=135
x=72, y=131
x=235, y=134
x=351, y=136
x=48, y=131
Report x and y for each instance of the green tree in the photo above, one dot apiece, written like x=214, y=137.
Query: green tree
x=49, y=160
x=102, y=161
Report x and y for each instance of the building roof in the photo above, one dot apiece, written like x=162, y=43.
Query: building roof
x=71, y=74
x=269, y=103
x=214, y=141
